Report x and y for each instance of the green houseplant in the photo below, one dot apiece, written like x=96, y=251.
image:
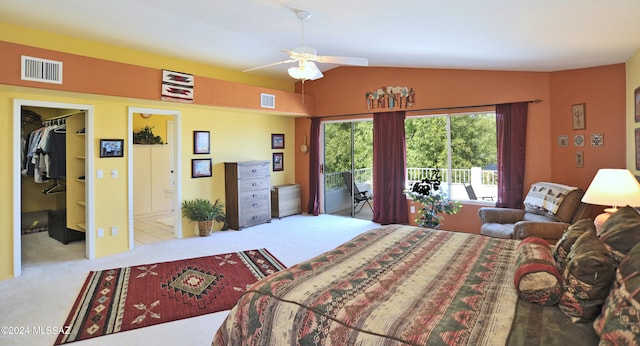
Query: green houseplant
x=204, y=213
x=435, y=201
x=146, y=136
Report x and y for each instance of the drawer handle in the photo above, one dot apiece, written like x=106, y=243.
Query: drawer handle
x=254, y=184
x=255, y=205
x=254, y=217
x=254, y=170
x=254, y=195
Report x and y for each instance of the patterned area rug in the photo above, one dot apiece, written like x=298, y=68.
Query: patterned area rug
x=121, y=299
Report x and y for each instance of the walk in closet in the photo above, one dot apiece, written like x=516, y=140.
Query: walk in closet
x=52, y=178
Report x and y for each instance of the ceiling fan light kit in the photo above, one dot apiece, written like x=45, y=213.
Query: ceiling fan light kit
x=305, y=57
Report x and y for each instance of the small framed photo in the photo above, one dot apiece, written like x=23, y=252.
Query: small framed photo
x=277, y=141
x=579, y=159
x=597, y=140
x=563, y=141
x=200, y=168
x=111, y=147
x=278, y=162
x=636, y=104
x=637, y=135
x=578, y=140
x=578, y=116
x=201, y=142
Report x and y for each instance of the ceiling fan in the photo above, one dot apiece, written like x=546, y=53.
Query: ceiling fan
x=306, y=57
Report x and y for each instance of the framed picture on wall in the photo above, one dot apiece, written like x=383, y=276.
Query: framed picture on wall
x=277, y=141
x=636, y=104
x=579, y=159
x=200, y=168
x=637, y=135
x=201, y=142
x=278, y=162
x=111, y=147
x=578, y=116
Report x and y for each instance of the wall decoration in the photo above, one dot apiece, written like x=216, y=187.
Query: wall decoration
x=578, y=112
x=636, y=103
x=637, y=149
x=277, y=141
x=563, y=141
x=278, y=162
x=390, y=97
x=597, y=140
x=111, y=147
x=177, y=86
x=201, y=142
x=578, y=140
x=200, y=168
x=579, y=159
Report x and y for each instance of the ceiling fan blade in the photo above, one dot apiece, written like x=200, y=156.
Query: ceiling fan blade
x=343, y=60
x=269, y=65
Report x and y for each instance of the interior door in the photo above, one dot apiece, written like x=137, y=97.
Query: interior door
x=348, y=167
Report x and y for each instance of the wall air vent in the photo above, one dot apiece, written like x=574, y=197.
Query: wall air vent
x=41, y=70
x=267, y=100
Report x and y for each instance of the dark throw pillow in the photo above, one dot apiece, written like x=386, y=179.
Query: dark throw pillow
x=619, y=323
x=536, y=278
x=587, y=279
x=621, y=232
x=563, y=246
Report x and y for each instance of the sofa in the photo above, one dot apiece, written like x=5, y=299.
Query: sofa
x=548, y=210
x=586, y=288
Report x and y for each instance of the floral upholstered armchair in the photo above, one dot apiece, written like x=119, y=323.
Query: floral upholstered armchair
x=549, y=209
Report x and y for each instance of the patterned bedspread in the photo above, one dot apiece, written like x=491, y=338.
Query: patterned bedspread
x=392, y=285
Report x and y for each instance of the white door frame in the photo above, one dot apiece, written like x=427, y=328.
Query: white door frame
x=177, y=156
x=17, y=183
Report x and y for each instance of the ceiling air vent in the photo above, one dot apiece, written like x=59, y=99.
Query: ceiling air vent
x=267, y=100
x=41, y=70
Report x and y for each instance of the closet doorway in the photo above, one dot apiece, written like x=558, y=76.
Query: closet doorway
x=52, y=193
x=154, y=176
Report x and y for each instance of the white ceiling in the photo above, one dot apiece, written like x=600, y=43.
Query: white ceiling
x=529, y=35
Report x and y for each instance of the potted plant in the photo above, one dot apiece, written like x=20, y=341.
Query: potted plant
x=146, y=136
x=435, y=202
x=204, y=213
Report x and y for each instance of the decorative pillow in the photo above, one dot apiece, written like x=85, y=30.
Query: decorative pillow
x=536, y=277
x=563, y=246
x=619, y=323
x=587, y=278
x=621, y=232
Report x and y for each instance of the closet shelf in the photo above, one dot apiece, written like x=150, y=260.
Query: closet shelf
x=82, y=203
x=82, y=226
x=80, y=157
x=80, y=180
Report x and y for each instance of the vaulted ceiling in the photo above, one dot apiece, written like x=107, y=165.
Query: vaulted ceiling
x=526, y=35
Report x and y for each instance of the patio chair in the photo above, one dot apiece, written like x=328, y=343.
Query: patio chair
x=472, y=194
x=360, y=198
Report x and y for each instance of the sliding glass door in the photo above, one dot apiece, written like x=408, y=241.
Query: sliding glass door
x=348, y=168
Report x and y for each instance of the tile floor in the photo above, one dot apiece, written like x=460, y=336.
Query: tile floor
x=153, y=228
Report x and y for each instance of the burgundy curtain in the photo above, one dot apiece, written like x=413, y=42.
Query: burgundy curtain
x=313, y=207
x=511, y=127
x=389, y=168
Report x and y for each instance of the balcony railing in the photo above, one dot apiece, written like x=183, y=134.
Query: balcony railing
x=484, y=182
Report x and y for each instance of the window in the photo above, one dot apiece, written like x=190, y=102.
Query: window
x=462, y=147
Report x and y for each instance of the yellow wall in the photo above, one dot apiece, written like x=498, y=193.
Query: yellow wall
x=235, y=135
x=633, y=82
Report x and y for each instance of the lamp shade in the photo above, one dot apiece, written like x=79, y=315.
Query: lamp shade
x=613, y=187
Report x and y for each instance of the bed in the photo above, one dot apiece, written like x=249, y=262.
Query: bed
x=398, y=285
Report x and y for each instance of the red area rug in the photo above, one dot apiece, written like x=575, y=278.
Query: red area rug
x=121, y=299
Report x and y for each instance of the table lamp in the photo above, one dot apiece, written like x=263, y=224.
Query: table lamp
x=612, y=187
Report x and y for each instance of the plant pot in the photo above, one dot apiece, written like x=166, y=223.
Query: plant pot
x=205, y=228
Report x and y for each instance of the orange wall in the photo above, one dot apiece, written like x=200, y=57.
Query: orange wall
x=602, y=89
x=342, y=91
x=102, y=77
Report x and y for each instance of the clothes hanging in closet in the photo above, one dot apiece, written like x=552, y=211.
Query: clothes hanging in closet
x=44, y=155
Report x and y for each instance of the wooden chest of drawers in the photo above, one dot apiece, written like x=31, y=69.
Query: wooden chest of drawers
x=247, y=193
